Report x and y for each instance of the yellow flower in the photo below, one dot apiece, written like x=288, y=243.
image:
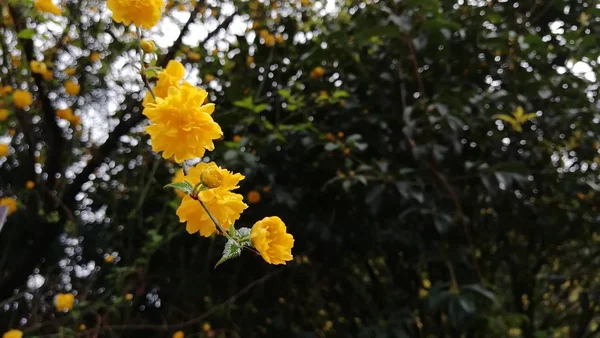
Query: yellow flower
x=128, y=296
x=109, y=259
x=178, y=334
x=212, y=177
x=225, y=205
x=16, y=61
x=249, y=60
x=148, y=46
x=46, y=6
x=3, y=115
x=270, y=238
x=279, y=38
x=12, y=132
x=29, y=185
x=48, y=75
x=13, y=334
x=72, y=88
x=22, y=98
x=64, y=302
x=171, y=76
x=6, y=90
x=253, y=197
x=70, y=71
x=74, y=120
x=193, y=56
x=82, y=327
x=142, y=13
x=180, y=125
x=10, y=203
x=37, y=67
x=95, y=56
x=317, y=72
x=237, y=138
x=208, y=77
x=206, y=327
x=515, y=332
x=64, y=114
x=4, y=148
x=269, y=40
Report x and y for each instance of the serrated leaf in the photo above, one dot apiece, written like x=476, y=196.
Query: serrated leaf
x=231, y=250
x=243, y=232
x=184, y=186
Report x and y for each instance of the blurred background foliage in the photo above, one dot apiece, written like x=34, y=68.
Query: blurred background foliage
x=384, y=133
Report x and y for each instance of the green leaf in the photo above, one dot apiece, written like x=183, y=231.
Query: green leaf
x=243, y=232
x=231, y=250
x=27, y=33
x=245, y=103
x=184, y=186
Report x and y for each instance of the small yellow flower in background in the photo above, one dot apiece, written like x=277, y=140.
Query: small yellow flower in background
x=270, y=40
x=46, y=6
x=347, y=151
x=72, y=88
x=109, y=259
x=253, y=197
x=70, y=71
x=16, y=61
x=249, y=60
x=193, y=56
x=515, y=332
x=181, y=126
x=22, y=98
x=64, y=114
x=29, y=185
x=212, y=177
x=74, y=120
x=178, y=334
x=279, y=38
x=266, y=189
x=95, y=57
x=236, y=138
x=13, y=334
x=328, y=325
x=225, y=205
x=82, y=327
x=516, y=121
x=171, y=76
x=64, y=302
x=10, y=203
x=142, y=13
x=423, y=293
x=6, y=90
x=12, y=132
x=38, y=67
x=3, y=114
x=305, y=2
x=48, y=75
x=4, y=149
x=340, y=134
x=269, y=236
x=208, y=77
x=317, y=72
x=148, y=46
x=128, y=296
x=206, y=327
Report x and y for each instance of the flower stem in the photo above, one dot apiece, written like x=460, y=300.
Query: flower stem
x=215, y=221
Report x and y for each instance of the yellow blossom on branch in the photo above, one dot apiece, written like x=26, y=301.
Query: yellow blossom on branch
x=46, y=6
x=223, y=204
x=38, y=67
x=148, y=46
x=142, y=13
x=13, y=334
x=64, y=302
x=181, y=126
x=269, y=236
x=22, y=98
x=171, y=76
x=72, y=88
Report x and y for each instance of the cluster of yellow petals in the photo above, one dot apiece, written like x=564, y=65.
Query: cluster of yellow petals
x=142, y=13
x=223, y=204
x=317, y=72
x=22, y=98
x=269, y=236
x=9, y=203
x=181, y=124
x=64, y=302
x=3, y=114
x=4, y=149
x=72, y=88
x=46, y=6
x=67, y=115
x=171, y=76
x=13, y=334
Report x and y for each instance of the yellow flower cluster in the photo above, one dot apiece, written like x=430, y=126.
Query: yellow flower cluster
x=22, y=99
x=13, y=334
x=64, y=302
x=10, y=203
x=182, y=128
x=142, y=13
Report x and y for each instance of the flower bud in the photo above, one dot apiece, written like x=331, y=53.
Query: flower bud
x=212, y=177
x=148, y=46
